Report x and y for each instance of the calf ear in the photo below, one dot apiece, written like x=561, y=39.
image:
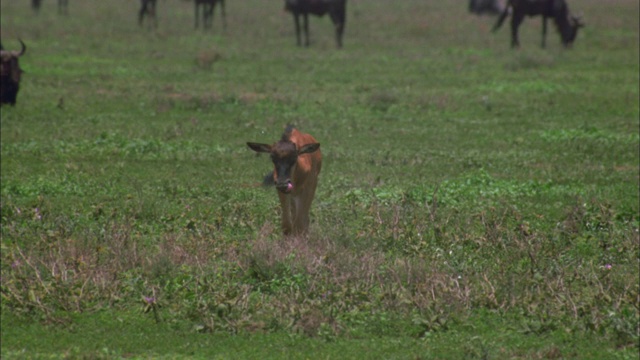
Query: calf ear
x=309, y=148
x=259, y=147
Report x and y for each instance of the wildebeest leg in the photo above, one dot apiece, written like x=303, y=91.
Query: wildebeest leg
x=296, y=20
x=143, y=9
x=11, y=95
x=205, y=15
x=35, y=4
x=338, y=23
x=305, y=18
x=208, y=22
x=515, y=23
x=197, y=13
x=62, y=7
x=224, y=15
x=13, y=98
x=544, y=31
x=153, y=13
x=501, y=19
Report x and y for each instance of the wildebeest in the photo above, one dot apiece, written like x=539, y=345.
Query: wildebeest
x=62, y=6
x=10, y=73
x=147, y=8
x=566, y=23
x=335, y=8
x=35, y=5
x=208, y=7
x=485, y=7
x=297, y=161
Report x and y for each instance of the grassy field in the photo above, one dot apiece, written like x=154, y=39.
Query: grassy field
x=474, y=202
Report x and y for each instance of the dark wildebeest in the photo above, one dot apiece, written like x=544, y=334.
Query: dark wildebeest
x=208, y=7
x=148, y=8
x=62, y=6
x=35, y=5
x=10, y=73
x=567, y=24
x=335, y=8
x=485, y=7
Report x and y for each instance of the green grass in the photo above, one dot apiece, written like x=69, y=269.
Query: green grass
x=474, y=201
x=101, y=337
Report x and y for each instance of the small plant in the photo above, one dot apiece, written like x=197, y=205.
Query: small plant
x=151, y=305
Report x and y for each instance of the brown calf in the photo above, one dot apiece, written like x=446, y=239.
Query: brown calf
x=297, y=161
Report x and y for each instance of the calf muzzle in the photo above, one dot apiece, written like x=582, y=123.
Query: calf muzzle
x=284, y=187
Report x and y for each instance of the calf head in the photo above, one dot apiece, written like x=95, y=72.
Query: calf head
x=284, y=155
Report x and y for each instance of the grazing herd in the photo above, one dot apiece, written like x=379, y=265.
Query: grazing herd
x=566, y=23
x=558, y=10
x=296, y=156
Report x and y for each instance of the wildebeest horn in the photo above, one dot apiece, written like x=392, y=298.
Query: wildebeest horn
x=24, y=48
x=578, y=19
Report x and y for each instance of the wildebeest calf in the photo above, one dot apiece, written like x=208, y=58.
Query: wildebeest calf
x=335, y=8
x=147, y=8
x=567, y=24
x=297, y=161
x=10, y=73
x=208, y=7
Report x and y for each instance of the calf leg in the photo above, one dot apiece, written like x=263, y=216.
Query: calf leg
x=303, y=207
x=287, y=207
